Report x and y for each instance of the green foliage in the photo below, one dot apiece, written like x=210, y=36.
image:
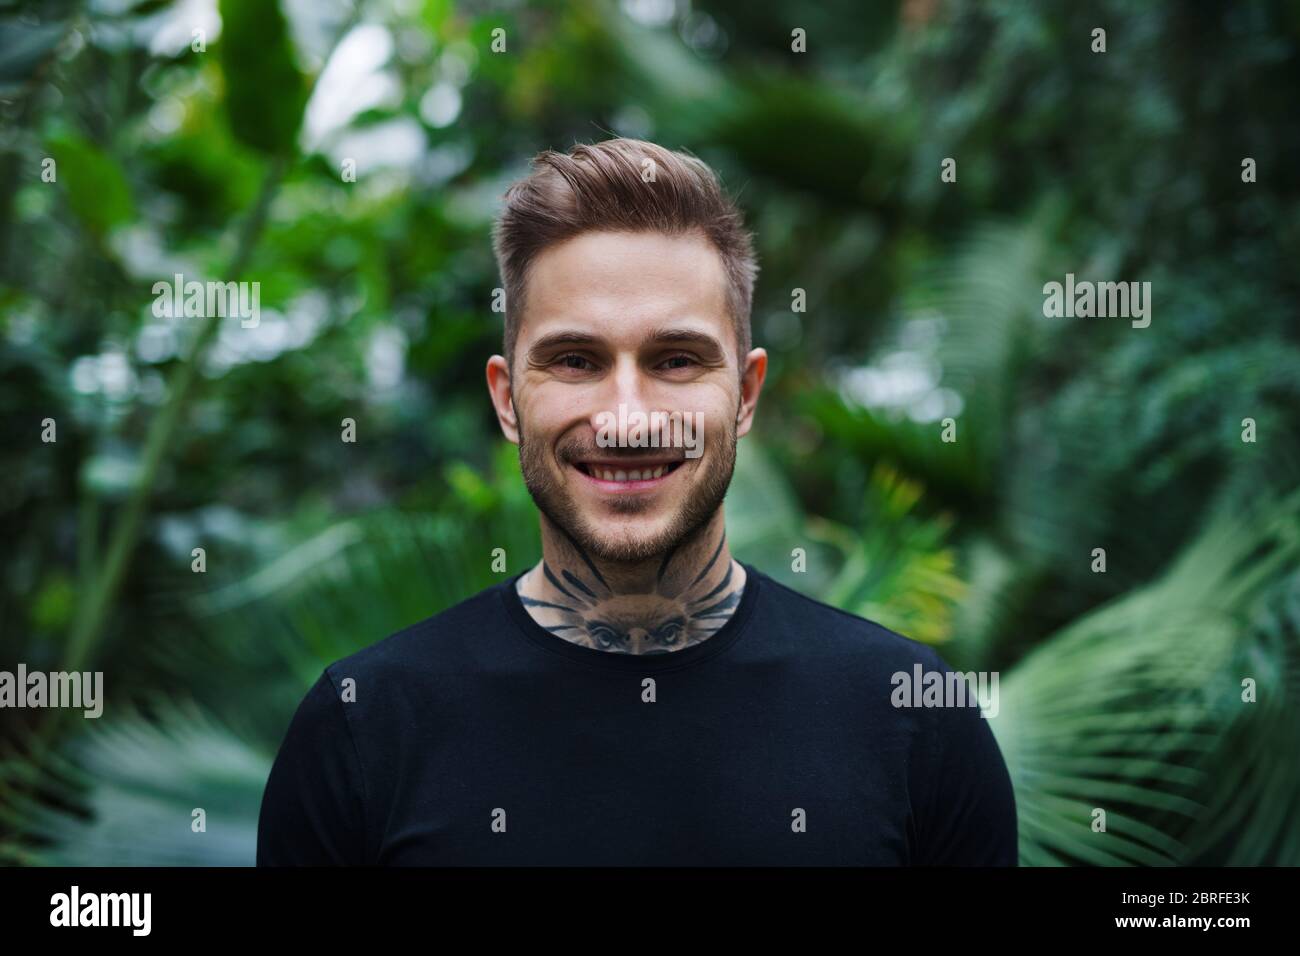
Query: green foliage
x=897, y=568
x=24, y=49
x=1139, y=709
x=1122, y=689
x=97, y=189
x=139, y=781
x=265, y=93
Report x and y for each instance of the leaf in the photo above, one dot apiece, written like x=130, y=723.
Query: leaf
x=899, y=570
x=139, y=782
x=93, y=181
x=265, y=92
x=1136, y=709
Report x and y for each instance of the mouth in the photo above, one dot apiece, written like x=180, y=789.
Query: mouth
x=627, y=475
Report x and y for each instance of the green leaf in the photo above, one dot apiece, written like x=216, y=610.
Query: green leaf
x=139, y=782
x=93, y=181
x=1137, y=708
x=265, y=92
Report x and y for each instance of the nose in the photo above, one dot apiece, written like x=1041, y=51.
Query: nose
x=624, y=391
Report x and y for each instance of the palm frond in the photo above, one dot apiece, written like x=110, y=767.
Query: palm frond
x=126, y=790
x=1136, y=709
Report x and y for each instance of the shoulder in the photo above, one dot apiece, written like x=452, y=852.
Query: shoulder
x=835, y=630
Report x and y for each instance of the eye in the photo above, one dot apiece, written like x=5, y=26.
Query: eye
x=575, y=362
x=604, y=636
x=674, y=362
x=669, y=632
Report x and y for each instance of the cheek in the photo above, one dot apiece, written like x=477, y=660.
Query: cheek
x=714, y=400
x=555, y=407
x=719, y=414
x=536, y=415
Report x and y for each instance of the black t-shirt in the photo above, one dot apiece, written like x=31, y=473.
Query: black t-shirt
x=477, y=737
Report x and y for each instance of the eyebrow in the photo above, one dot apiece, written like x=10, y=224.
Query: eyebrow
x=684, y=337
x=570, y=338
x=566, y=338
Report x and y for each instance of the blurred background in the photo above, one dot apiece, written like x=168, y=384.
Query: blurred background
x=213, y=139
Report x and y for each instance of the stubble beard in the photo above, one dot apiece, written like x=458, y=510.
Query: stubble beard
x=699, y=502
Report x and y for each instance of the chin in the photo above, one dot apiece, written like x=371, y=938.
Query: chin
x=633, y=544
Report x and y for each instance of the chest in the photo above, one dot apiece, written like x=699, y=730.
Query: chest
x=608, y=781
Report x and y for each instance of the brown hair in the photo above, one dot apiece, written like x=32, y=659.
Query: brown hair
x=601, y=187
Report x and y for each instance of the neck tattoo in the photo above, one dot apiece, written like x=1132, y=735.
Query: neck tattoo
x=679, y=605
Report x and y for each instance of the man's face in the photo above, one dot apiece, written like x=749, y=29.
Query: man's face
x=637, y=320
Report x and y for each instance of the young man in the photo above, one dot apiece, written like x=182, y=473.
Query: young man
x=639, y=697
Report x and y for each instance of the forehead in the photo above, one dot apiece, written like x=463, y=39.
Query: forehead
x=612, y=283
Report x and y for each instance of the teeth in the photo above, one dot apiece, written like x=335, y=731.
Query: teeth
x=639, y=474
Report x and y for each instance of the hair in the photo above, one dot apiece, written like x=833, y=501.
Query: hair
x=600, y=187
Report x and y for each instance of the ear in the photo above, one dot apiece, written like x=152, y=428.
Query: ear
x=498, y=383
x=751, y=383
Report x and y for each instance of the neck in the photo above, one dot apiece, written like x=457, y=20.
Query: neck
x=657, y=606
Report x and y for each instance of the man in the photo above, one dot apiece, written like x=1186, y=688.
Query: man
x=639, y=697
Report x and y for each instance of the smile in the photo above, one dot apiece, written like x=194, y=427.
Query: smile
x=623, y=476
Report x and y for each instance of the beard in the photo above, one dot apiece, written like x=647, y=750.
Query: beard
x=697, y=503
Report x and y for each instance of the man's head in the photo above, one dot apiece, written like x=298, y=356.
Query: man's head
x=629, y=278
